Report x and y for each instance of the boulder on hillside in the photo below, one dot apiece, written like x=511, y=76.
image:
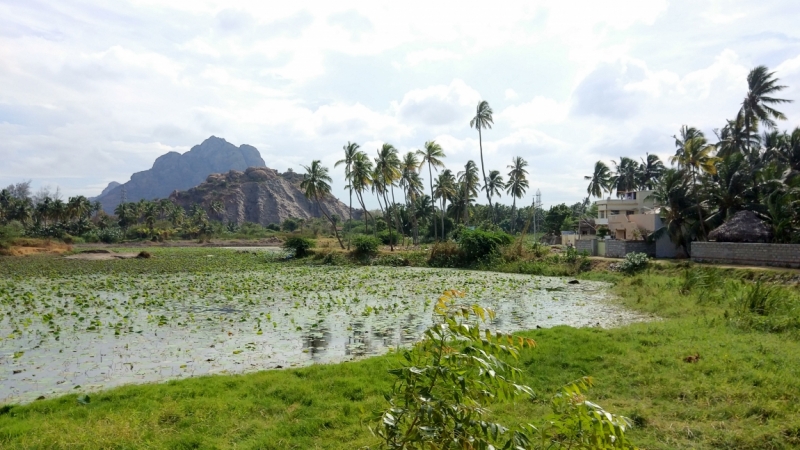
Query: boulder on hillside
x=259, y=195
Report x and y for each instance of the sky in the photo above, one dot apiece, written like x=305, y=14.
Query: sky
x=93, y=91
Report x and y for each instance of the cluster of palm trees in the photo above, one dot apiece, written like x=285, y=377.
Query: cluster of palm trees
x=192, y=223
x=454, y=192
x=48, y=214
x=750, y=166
x=628, y=175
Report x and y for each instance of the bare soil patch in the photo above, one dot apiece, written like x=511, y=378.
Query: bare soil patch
x=95, y=255
x=25, y=247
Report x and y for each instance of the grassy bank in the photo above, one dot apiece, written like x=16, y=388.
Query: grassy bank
x=741, y=393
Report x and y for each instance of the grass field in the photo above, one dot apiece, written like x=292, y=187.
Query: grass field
x=742, y=393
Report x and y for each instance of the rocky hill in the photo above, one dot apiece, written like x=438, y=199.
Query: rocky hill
x=175, y=171
x=258, y=195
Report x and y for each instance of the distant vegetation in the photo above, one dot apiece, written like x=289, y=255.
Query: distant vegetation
x=751, y=166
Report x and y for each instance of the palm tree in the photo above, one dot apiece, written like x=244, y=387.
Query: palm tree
x=650, y=170
x=350, y=151
x=432, y=155
x=151, y=215
x=728, y=191
x=735, y=137
x=444, y=190
x=388, y=164
x=625, y=179
x=412, y=184
x=483, y=119
x=494, y=185
x=217, y=207
x=677, y=209
x=316, y=185
x=600, y=180
x=517, y=184
x=470, y=185
x=198, y=214
x=756, y=106
x=695, y=156
x=176, y=215
x=361, y=179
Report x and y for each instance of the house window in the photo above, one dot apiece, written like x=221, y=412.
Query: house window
x=628, y=213
x=602, y=214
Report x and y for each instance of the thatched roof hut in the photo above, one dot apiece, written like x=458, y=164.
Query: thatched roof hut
x=744, y=226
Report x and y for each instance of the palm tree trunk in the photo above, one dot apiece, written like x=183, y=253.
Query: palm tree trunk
x=351, y=213
x=513, y=218
x=699, y=208
x=333, y=224
x=444, y=205
x=430, y=179
x=483, y=172
x=396, y=219
x=361, y=202
x=386, y=215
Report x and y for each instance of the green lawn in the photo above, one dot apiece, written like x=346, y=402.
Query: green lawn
x=742, y=393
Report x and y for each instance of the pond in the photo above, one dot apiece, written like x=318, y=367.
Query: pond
x=80, y=333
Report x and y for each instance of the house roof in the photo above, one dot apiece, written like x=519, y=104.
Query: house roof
x=744, y=226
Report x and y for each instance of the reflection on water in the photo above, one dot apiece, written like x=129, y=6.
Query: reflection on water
x=88, y=333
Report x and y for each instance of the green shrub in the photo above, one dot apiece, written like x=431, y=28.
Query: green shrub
x=445, y=254
x=290, y=224
x=447, y=381
x=389, y=237
x=633, y=263
x=273, y=227
x=478, y=244
x=364, y=245
x=10, y=231
x=299, y=245
x=110, y=235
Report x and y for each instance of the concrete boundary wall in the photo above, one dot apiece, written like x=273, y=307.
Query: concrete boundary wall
x=618, y=249
x=779, y=255
x=587, y=245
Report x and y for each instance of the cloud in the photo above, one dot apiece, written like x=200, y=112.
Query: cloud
x=538, y=111
x=96, y=91
x=431, y=55
x=438, y=105
x=603, y=92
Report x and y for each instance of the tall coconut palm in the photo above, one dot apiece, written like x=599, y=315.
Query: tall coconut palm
x=517, y=184
x=350, y=151
x=470, y=184
x=432, y=155
x=316, y=185
x=600, y=180
x=361, y=179
x=482, y=120
x=388, y=164
x=444, y=190
x=694, y=157
x=757, y=104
